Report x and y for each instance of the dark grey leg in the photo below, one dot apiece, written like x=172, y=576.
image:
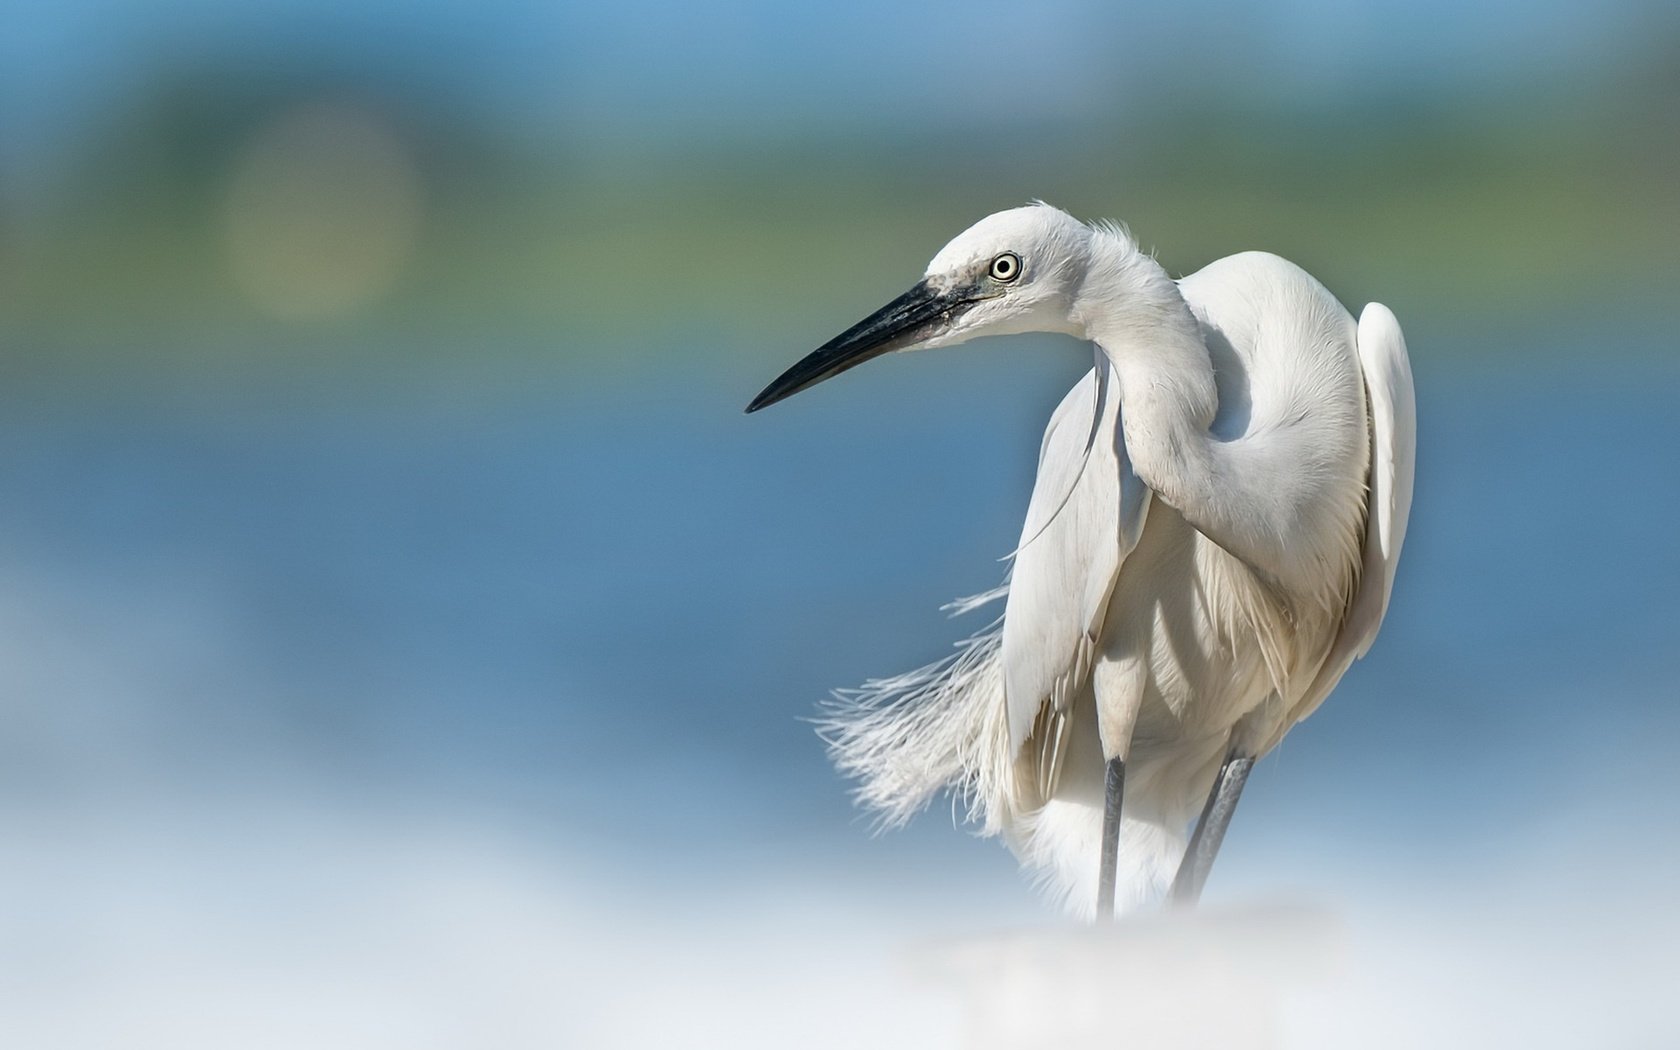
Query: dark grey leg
x=1113, y=789
x=1210, y=829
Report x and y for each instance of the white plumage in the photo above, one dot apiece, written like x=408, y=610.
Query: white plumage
x=1211, y=541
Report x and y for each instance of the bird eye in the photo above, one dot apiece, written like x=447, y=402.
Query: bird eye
x=1006, y=267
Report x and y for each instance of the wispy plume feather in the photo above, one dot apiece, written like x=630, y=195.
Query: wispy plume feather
x=940, y=727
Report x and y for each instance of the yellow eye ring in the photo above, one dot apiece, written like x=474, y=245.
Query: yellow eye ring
x=1005, y=267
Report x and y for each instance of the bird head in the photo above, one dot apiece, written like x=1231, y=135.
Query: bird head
x=1013, y=271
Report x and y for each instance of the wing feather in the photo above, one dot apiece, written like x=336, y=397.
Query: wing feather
x=1086, y=514
x=1393, y=405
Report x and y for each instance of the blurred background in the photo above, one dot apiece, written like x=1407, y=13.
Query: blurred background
x=406, y=641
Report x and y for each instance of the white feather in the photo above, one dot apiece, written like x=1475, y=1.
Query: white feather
x=1196, y=578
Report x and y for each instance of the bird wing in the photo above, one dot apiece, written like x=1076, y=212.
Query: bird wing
x=1393, y=423
x=1086, y=515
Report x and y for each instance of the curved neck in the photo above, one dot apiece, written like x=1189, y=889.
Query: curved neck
x=1130, y=308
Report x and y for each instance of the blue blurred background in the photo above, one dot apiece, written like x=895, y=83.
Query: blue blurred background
x=406, y=640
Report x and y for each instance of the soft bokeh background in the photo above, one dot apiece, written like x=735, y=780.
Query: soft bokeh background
x=405, y=640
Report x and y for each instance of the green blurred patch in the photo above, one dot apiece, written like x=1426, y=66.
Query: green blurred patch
x=601, y=254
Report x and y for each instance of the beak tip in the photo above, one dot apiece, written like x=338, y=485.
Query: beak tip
x=777, y=391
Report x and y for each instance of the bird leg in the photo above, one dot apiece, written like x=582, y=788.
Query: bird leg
x=1113, y=789
x=1210, y=829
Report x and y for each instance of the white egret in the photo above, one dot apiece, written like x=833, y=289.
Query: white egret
x=1211, y=541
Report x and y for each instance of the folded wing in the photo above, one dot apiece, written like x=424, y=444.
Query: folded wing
x=1086, y=515
x=1388, y=388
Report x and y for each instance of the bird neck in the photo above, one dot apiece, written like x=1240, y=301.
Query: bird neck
x=1132, y=309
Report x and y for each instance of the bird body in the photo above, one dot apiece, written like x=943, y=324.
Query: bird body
x=1193, y=643
x=1210, y=542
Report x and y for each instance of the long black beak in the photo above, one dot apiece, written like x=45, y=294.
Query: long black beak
x=892, y=327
